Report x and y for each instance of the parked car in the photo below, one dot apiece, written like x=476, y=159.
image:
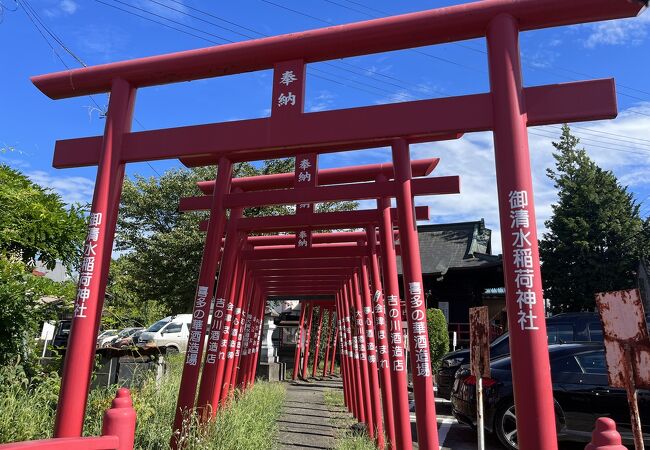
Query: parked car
x=105, y=336
x=171, y=333
x=580, y=391
x=566, y=327
x=61, y=334
x=123, y=337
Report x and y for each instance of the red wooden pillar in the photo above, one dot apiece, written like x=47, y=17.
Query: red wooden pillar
x=330, y=330
x=296, y=358
x=321, y=311
x=425, y=408
x=333, y=361
x=382, y=340
x=345, y=374
x=371, y=347
x=203, y=297
x=222, y=307
x=259, y=318
x=305, y=356
x=363, y=356
x=250, y=338
x=243, y=291
x=396, y=353
x=80, y=356
x=355, y=367
x=225, y=355
x=524, y=296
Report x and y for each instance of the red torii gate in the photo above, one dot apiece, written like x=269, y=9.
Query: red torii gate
x=507, y=110
x=343, y=219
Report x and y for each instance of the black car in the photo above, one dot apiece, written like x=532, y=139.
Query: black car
x=567, y=327
x=580, y=390
x=61, y=334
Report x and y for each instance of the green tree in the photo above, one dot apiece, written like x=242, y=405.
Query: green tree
x=36, y=224
x=595, y=236
x=438, y=336
x=162, y=247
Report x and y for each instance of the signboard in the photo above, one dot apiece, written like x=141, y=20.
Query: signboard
x=47, y=333
x=626, y=336
x=479, y=341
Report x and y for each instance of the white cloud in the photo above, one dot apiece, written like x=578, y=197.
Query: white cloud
x=71, y=189
x=170, y=9
x=62, y=8
x=472, y=158
x=103, y=42
x=632, y=31
x=324, y=100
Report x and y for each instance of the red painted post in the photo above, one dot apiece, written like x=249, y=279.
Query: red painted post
x=382, y=340
x=363, y=355
x=524, y=297
x=248, y=338
x=330, y=330
x=305, y=356
x=605, y=436
x=353, y=345
x=80, y=355
x=259, y=317
x=296, y=358
x=396, y=353
x=243, y=290
x=425, y=407
x=371, y=347
x=321, y=311
x=345, y=374
x=227, y=271
x=223, y=360
x=202, y=298
x=346, y=356
x=120, y=419
x=333, y=361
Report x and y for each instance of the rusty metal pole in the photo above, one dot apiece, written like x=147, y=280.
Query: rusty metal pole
x=321, y=311
x=531, y=371
x=296, y=357
x=381, y=339
x=80, y=356
x=425, y=407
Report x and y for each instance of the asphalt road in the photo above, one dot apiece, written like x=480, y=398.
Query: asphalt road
x=457, y=436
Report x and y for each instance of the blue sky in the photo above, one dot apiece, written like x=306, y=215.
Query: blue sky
x=98, y=32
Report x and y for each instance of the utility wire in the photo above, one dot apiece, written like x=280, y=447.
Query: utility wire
x=45, y=31
x=325, y=75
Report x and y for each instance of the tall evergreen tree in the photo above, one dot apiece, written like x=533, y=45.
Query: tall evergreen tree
x=595, y=236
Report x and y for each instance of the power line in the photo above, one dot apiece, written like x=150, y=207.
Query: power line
x=532, y=66
x=43, y=29
x=322, y=74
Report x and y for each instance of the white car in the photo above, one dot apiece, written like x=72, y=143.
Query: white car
x=105, y=337
x=172, y=333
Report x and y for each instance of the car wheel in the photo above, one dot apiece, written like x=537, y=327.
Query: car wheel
x=171, y=350
x=505, y=425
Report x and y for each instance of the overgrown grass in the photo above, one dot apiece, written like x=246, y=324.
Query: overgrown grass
x=248, y=422
x=347, y=438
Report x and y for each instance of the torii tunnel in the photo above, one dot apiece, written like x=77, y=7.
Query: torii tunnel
x=352, y=275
